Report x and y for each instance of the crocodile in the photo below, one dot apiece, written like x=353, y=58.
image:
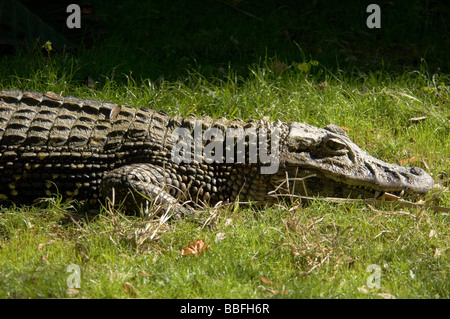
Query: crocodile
x=90, y=150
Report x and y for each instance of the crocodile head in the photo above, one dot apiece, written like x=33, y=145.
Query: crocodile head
x=326, y=162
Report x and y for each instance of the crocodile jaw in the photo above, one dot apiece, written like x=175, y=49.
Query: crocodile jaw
x=332, y=165
x=313, y=182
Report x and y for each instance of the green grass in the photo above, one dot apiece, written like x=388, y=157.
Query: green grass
x=320, y=250
x=292, y=250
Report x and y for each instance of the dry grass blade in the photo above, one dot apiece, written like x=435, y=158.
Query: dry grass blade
x=379, y=212
x=120, y=228
x=310, y=242
x=395, y=93
x=405, y=95
x=290, y=191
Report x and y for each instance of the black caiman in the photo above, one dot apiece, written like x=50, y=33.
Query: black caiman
x=86, y=149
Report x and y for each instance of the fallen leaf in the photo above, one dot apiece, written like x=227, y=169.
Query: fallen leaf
x=195, y=248
x=267, y=281
x=143, y=273
x=273, y=291
x=129, y=289
x=345, y=128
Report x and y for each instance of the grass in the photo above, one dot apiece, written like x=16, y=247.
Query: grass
x=292, y=250
x=319, y=251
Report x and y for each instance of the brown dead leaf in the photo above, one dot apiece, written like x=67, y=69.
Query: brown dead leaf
x=129, y=289
x=143, y=273
x=273, y=291
x=267, y=281
x=195, y=248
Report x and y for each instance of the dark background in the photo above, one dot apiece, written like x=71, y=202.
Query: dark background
x=154, y=39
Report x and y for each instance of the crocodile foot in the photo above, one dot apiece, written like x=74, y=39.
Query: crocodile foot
x=139, y=187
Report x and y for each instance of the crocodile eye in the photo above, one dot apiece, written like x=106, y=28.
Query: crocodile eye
x=335, y=145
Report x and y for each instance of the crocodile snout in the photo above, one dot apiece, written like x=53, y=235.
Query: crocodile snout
x=422, y=182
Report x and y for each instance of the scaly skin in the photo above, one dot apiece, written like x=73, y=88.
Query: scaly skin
x=86, y=149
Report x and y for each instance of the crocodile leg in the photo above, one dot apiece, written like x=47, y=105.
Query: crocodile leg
x=140, y=185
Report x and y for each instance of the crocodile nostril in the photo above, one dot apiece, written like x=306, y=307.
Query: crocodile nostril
x=417, y=171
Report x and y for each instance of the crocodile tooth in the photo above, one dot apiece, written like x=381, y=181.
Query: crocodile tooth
x=377, y=194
